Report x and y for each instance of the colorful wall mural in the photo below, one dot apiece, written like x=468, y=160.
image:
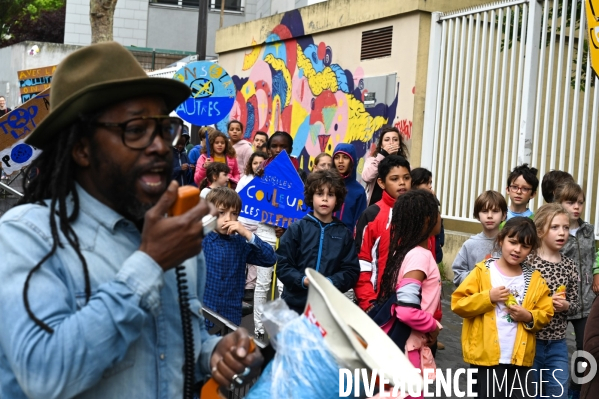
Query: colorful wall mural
x=293, y=84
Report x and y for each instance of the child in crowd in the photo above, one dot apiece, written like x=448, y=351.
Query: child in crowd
x=221, y=151
x=227, y=250
x=345, y=161
x=522, y=186
x=372, y=230
x=259, y=143
x=195, y=152
x=323, y=161
x=217, y=175
x=411, y=285
x=243, y=148
x=390, y=143
x=551, y=181
x=278, y=142
x=254, y=164
x=490, y=209
x=319, y=241
x=582, y=250
x=504, y=302
x=422, y=179
x=553, y=226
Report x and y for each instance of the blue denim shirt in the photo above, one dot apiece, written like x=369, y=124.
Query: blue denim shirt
x=125, y=342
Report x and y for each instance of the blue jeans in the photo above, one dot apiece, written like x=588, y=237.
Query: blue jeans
x=550, y=357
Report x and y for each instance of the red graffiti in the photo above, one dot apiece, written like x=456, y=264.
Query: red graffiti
x=405, y=128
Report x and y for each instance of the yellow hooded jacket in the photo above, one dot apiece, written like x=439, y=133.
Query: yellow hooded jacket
x=480, y=339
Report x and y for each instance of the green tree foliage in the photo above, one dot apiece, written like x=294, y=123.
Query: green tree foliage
x=16, y=14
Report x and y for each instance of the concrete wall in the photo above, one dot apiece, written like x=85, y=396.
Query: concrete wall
x=130, y=23
x=175, y=28
x=16, y=58
x=453, y=242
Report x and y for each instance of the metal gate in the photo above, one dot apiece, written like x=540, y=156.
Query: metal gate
x=510, y=83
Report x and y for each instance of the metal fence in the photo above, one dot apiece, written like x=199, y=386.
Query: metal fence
x=508, y=83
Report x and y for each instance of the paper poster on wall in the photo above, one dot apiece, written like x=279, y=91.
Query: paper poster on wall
x=16, y=126
x=593, y=21
x=277, y=197
x=212, y=93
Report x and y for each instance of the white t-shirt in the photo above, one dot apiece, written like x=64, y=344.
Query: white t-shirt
x=506, y=327
x=205, y=191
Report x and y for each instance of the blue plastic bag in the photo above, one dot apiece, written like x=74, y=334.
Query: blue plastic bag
x=303, y=367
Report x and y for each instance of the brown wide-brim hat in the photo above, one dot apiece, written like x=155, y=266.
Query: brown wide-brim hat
x=95, y=77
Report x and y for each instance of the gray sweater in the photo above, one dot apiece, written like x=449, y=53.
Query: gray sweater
x=476, y=249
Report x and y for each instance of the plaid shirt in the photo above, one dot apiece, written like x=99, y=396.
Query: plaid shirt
x=226, y=257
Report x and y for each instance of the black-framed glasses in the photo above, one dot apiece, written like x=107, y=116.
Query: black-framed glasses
x=515, y=189
x=139, y=133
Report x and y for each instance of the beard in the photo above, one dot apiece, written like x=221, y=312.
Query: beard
x=120, y=186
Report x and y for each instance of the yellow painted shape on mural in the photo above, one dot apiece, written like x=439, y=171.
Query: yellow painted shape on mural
x=248, y=90
x=593, y=30
x=361, y=125
x=279, y=65
x=360, y=166
x=250, y=58
x=298, y=116
x=318, y=81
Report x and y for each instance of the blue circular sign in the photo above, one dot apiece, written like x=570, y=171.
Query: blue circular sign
x=212, y=93
x=21, y=153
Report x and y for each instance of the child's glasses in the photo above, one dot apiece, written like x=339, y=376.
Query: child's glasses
x=515, y=189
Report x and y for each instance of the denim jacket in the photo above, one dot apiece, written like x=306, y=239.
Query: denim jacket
x=125, y=342
x=582, y=250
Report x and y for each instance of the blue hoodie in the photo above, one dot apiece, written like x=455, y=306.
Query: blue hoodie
x=355, y=200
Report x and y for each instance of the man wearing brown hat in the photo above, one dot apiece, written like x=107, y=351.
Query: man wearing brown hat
x=89, y=301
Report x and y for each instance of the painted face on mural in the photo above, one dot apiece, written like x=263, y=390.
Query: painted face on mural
x=219, y=146
x=235, y=133
x=342, y=163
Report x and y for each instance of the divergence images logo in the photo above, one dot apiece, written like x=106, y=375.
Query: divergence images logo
x=578, y=368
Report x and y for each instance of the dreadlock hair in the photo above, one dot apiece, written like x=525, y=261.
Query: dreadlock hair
x=415, y=215
x=55, y=180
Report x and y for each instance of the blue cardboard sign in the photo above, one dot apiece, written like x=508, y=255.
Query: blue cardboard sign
x=277, y=197
x=212, y=93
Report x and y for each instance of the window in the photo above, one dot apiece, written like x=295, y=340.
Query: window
x=376, y=43
x=230, y=5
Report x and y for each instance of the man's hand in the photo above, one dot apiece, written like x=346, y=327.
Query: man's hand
x=231, y=360
x=518, y=313
x=499, y=294
x=170, y=241
x=233, y=227
x=184, y=166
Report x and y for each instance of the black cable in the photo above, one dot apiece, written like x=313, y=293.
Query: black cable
x=188, y=345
